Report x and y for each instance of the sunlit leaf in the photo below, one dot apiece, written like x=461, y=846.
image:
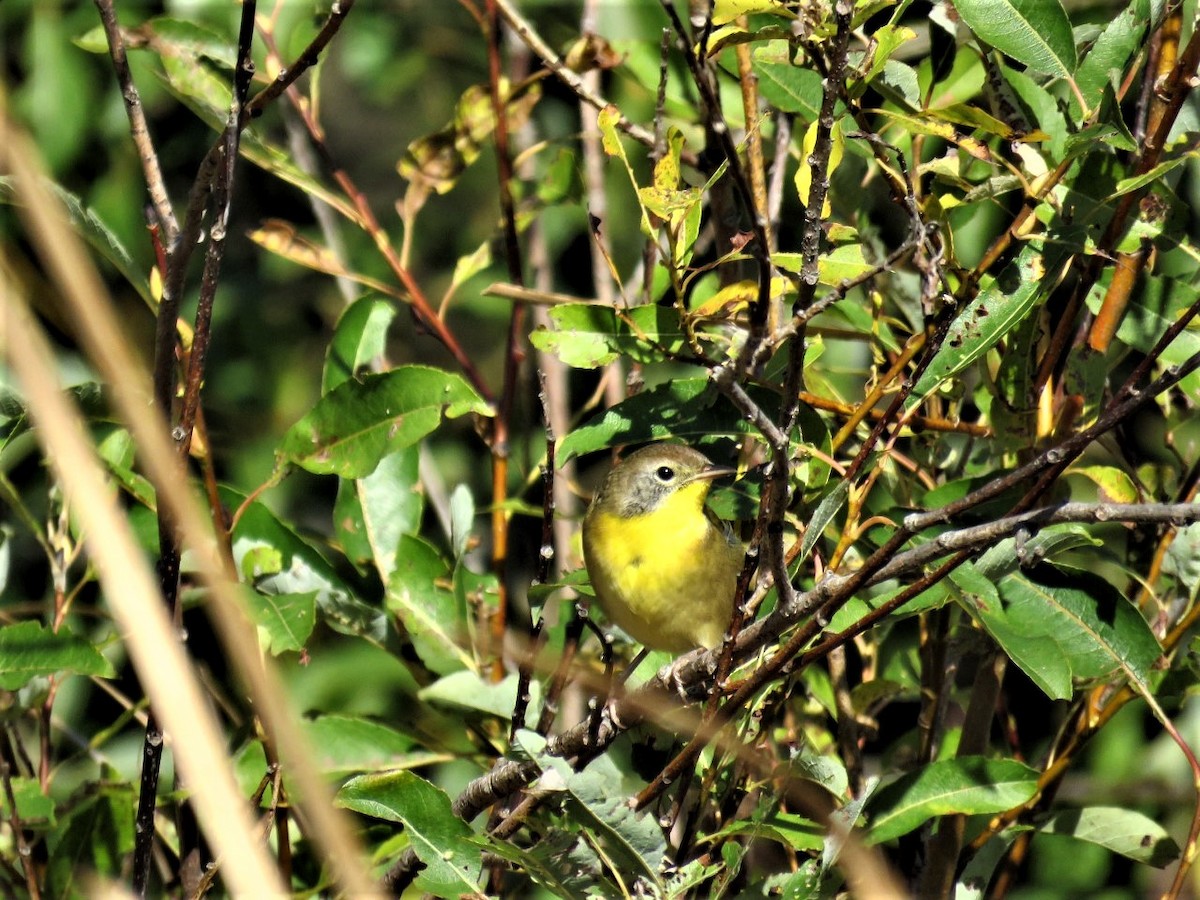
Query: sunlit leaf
x=30, y=650
x=1124, y=831
x=372, y=512
x=1110, y=54
x=442, y=841
x=359, y=338
x=285, y=621
x=1063, y=626
x=1114, y=485
x=357, y=423
x=1036, y=33
x=587, y=335
x=1003, y=302
x=968, y=785
x=470, y=691
x=345, y=744
x=789, y=88
x=420, y=595
x=277, y=560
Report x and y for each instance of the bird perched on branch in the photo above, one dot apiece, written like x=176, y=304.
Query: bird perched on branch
x=663, y=567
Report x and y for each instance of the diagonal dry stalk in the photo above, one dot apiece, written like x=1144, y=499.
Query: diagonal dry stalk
x=101, y=334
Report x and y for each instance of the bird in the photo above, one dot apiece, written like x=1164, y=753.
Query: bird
x=664, y=569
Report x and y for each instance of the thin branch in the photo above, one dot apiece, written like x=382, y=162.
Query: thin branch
x=170, y=552
x=308, y=58
x=514, y=350
x=570, y=78
x=138, y=128
x=691, y=673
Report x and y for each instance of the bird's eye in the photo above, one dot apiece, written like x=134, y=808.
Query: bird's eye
x=664, y=473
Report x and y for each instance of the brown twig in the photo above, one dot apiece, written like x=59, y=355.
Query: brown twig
x=139, y=130
x=170, y=548
x=1173, y=92
x=514, y=351
x=526, y=32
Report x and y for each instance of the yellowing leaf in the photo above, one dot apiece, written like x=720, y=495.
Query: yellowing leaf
x=804, y=173
x=283, y=239
x=607, y=120
x=733, y=298
x=929, y=124
x=1115, y=486
x=725, y=11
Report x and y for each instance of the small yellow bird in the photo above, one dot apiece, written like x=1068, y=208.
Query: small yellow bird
x=663, y=567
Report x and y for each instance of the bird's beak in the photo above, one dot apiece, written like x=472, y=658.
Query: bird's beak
x=712, y=472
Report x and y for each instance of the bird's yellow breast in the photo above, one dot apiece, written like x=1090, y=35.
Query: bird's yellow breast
x=666, y=577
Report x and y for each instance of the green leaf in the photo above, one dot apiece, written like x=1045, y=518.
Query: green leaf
x=1153, y=308
x=469, y=691
x=1002, y=304
x=724, y=11
x=685, y=408
x=1124, y=831
x=787, y=87
x=1183, y=558
x=30, y=650
x=839, y=264
x=372, y=512
x=34, y=808
x=93, y=840
x=1109, y=128
x=1061, y=625
x=346, y=744
x=174, y=36
x=968, y=785
x=285, y=621
x=886, y=40
x=1106, y=60
x=898, y=83
x=116, y=449
x=607, y=121
x=431, y=614
x=359, y=422
x=442, y=841
x=790, y=830
x=207, y=93
x=975, y=878
x=1115, y=485
x=829, y=506
x=1137, y=182
x=279, y=561
x=587, y=335
x=598, y=802
x=183, y=37
x=359, y=338
x=1047, y=114
x=88, y=225
x=1036, y=33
